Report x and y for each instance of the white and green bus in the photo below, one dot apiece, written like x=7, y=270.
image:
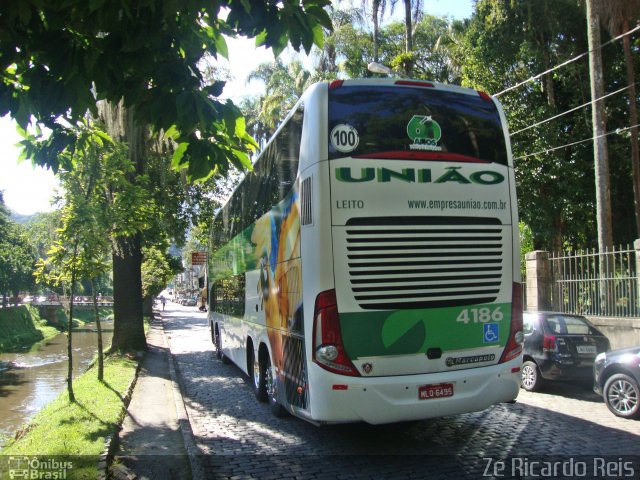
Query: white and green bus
x=367, y=269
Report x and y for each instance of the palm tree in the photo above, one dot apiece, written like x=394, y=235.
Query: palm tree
x=284, y=84
x=412, y=12
x=616, y=16
x=342, y=21
x=378, y=8
x=448, y=45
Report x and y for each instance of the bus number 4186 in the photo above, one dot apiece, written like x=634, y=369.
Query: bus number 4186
x=480, y=315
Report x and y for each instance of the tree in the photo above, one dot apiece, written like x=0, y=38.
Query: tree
x=508, y=42
x=378, y=8
x=143, y=61
x=412, y=12
x=617, y=15
x=157, y=269
x=448, y=44
x=59, y=58
x=60, y=270
x=82, y=245
x=429, y=59
x=343, y=21
x=284, y=85
x=17, y=257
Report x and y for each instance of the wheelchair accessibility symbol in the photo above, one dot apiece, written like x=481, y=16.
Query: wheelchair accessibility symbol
x=491, y=333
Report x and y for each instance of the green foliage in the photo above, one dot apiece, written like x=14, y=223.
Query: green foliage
x=507, y=42
x=95, y=175
x=284, y=85
x=526, y=246
x=60, y=57
x=157, y=269
x=17, y=256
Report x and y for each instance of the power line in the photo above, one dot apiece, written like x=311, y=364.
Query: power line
x=535, y=77
x=572, y=109
x=618, y=130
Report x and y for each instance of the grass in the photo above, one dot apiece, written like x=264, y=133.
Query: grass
x=79, y=430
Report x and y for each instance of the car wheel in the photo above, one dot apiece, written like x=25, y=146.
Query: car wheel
x=621, y=394
x=272, y=392
x=531, y=379
x=257, y=375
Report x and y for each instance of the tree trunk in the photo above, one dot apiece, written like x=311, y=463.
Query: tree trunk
x=128, y=324
x=376, y=28
x=601, y=159
x=408, y=27
x=128, y=321
x=72, y=397
x=99, y=329
x=633, y=120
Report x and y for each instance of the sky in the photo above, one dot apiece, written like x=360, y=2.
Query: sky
x=28, y=190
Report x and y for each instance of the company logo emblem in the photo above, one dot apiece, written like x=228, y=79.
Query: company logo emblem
x=367, y=368
x=425, y=133
x=453, y=361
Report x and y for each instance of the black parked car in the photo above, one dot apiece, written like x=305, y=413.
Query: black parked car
x=616, y=376
x=559, y=346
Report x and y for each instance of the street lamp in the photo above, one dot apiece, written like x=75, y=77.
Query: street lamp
x=376, y=67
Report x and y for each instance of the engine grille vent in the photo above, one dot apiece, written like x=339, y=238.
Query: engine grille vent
x=425, y=262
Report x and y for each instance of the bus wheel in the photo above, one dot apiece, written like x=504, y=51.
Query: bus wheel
x=257, y=375
x=272, y=392
x=218, y=344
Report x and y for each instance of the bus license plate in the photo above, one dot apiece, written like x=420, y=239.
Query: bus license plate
x=430, y=392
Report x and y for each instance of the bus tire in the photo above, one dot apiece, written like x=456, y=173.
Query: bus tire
x=257, y=375
x=218, y=344
x=272, y=394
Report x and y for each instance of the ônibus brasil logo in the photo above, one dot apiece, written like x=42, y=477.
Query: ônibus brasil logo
x=425, y=133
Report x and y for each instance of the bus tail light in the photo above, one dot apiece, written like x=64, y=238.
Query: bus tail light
x=328, y=350
x=516, y=335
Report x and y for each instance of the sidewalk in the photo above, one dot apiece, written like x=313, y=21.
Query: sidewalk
x=151, y=442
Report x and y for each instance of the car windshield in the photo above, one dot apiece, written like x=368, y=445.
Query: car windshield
x=568, y=325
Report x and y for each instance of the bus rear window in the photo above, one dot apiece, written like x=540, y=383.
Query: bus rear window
x=414, y=123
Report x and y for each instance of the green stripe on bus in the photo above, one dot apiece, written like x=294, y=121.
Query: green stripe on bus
x=405, y=332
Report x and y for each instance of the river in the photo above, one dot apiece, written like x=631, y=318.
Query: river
x=32, y=378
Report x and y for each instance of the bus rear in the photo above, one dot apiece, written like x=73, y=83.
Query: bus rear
x=425, y=318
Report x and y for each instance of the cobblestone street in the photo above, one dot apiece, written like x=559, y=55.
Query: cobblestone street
x=239, y=437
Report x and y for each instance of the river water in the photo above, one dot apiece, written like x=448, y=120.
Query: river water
x=32, y=378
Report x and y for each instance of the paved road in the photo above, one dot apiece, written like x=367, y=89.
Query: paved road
x=568, y=429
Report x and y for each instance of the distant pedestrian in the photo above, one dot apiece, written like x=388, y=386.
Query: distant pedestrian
x=203, y=300
x=163, y=300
